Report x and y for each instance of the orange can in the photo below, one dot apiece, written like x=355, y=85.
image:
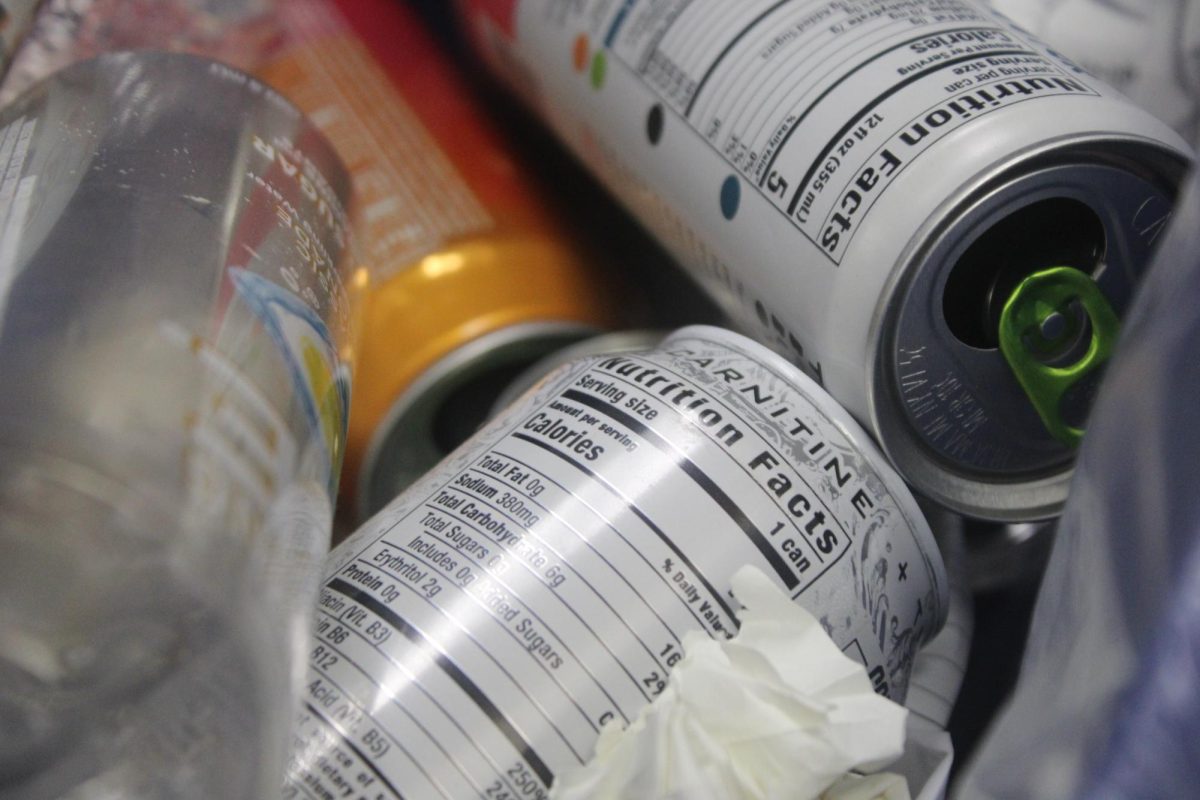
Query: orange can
x=473, y=277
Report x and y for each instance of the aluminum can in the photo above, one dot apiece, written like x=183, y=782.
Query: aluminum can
x=474, y=275
x=176, y=320
x=862, y=185
x=475, y=635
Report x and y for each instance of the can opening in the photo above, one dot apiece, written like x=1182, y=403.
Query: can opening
x=468, y=405
x=1053, y=232
x=448, y=403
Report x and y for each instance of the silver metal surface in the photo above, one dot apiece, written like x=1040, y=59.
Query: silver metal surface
x=444, y=406
x=540, y=581
x=954, y=418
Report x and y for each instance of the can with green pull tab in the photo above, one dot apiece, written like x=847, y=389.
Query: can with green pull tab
x=862, y=185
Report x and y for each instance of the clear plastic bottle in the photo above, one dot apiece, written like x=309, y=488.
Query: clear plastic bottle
x=175, y=318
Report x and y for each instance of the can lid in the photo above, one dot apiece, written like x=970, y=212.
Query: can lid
x=945, y=400
x=448, y=402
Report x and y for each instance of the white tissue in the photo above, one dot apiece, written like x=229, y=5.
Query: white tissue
x=776, y=712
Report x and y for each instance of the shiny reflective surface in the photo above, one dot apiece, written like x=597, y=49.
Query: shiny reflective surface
x=473, y=268
x=173, y=326
x=540, y=581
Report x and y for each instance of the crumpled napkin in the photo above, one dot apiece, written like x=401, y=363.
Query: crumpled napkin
x=776, y=712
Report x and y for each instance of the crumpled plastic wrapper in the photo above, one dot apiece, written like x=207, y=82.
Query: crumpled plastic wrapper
x=776, y=712
x=1147, y=49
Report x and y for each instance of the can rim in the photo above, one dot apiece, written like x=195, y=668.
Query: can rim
x=620, y=341
x=855, y=433
x=457, y=363
x=998, y=499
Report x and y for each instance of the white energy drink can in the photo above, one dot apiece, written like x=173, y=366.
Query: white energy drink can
x=864, y=186
x=475, y=635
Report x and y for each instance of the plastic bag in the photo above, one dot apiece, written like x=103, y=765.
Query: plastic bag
x=1108, y=702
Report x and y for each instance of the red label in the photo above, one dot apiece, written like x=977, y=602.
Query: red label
x=502, y=12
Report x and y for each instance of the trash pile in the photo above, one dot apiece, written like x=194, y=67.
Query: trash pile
x=527, y=399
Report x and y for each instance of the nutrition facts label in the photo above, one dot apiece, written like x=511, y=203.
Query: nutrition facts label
x=475, y=636
x=870, y=84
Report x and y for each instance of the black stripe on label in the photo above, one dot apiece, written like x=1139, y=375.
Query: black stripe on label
x=862, y=112
x=354, y=749
x=833, y=86
x=693, y=471
x=642, y=516
x=452, y=671
x=708, y=73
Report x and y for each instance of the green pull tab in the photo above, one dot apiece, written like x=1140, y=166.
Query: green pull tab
x=1043, y=322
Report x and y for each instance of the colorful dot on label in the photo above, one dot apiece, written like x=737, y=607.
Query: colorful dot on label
x=579, y=53
x=599, y=68
x=654, y=123
x=731, y=196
